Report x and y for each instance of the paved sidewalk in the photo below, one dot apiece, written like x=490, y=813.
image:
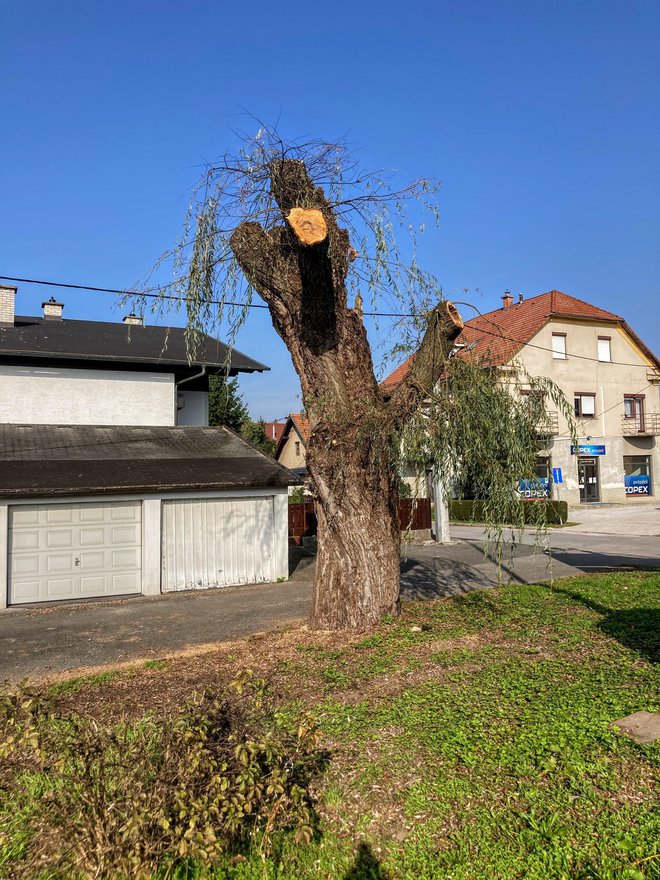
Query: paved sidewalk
x=43, y=642
x=641, y=518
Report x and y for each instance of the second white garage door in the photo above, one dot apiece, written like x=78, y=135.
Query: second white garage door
x=217, y=542
x=74, y=551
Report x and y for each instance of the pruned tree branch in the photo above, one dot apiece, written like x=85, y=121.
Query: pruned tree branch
x=428, y=363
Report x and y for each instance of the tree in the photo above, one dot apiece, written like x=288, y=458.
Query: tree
x=255, y=433
x=306, y=229
x=226, y=405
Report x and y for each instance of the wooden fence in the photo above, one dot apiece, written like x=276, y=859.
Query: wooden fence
x=413, y=513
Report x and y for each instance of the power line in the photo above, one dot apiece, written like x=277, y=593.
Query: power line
x=160, y=295
x=150, y=294
x=169, y=296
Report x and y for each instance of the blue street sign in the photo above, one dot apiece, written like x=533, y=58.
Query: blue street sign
x=598, y=449
x=557, y=475
x=639, y=485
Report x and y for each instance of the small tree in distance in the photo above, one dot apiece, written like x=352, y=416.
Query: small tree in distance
x=310, y=233
x=255, y=433
x=226, y=404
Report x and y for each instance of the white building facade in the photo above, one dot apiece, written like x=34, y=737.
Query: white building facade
x=111, y=482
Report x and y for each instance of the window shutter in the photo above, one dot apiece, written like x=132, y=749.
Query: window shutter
x=558, y=345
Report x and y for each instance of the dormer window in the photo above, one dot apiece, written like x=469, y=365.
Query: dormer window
x=605, y=348
x=559, y=346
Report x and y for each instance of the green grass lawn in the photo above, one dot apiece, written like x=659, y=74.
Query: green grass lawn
x=476, y=745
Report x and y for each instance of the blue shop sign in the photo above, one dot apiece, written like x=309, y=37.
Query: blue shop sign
x=640, y=485
x=597, y=449
x=538, y=488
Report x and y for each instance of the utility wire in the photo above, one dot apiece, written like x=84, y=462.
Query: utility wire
x=155, y=295
x=616, y=405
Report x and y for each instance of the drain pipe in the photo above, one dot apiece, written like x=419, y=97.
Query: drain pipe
x=176, y=390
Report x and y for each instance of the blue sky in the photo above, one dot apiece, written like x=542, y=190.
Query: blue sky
x=542, y=121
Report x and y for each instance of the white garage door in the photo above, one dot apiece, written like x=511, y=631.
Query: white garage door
x=74, y=551
x=217, y=542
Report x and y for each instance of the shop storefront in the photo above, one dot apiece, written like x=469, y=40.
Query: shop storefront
x=637, y=476
x=588, y=468
x=541, y=485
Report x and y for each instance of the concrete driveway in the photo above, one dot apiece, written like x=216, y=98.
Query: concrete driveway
x=43, y=642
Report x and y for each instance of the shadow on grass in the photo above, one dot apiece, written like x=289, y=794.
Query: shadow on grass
x=366, y=866
x=634, y=628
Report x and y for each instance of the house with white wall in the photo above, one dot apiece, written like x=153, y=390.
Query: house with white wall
x=111, y=481
x=610, y=377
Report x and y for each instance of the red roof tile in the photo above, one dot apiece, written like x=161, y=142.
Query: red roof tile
x=274, y=430
x=302, y=424
x=499, y=335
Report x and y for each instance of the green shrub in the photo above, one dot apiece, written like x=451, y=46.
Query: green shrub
x=128, y=799
x=538, y=511
x=297, y=495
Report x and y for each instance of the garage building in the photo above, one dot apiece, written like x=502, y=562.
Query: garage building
x=105, y=511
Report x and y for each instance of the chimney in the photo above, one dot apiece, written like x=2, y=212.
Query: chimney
x=7, y=297
x=134, y=319
x=521, y=297
x=507, y=299
x=52, y=309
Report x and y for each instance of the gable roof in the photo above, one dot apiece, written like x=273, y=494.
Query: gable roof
x=498, y=336
x=298, y=423
x=47, y=460
x=115, y=343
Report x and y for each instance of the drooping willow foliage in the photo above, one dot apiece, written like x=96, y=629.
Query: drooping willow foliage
x=384, y=223
x=482, y=431
x=476, y=429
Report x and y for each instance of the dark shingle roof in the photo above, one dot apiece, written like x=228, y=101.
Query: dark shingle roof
x=47, y=460
x=115, y=343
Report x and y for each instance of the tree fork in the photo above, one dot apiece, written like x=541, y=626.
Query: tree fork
x=299, y=270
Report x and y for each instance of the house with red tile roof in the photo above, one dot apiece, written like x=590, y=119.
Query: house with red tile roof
x=274, y=430
x=610, y=376
x=292, y=444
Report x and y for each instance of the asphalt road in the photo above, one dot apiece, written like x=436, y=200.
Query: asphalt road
x=46, y=641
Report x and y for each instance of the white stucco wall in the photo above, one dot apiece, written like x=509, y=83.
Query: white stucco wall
x=193, y=408
x=60, y=396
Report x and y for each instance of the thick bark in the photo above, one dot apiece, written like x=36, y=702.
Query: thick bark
x=358, y=559
x=301, y=275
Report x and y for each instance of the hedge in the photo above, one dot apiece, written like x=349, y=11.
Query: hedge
x=554, y=512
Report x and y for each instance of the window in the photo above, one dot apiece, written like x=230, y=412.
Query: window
x=637, y=475
x=297, y=448
x=559, y=345
x=633, y=409
x=543, y=469
x=585, y=406
x=604, y=348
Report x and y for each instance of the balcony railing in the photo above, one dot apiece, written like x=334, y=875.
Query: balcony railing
x=647, y=425
x=548, y=426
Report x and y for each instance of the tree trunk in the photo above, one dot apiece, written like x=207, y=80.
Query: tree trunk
x=299, y=268
x=359, y=539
